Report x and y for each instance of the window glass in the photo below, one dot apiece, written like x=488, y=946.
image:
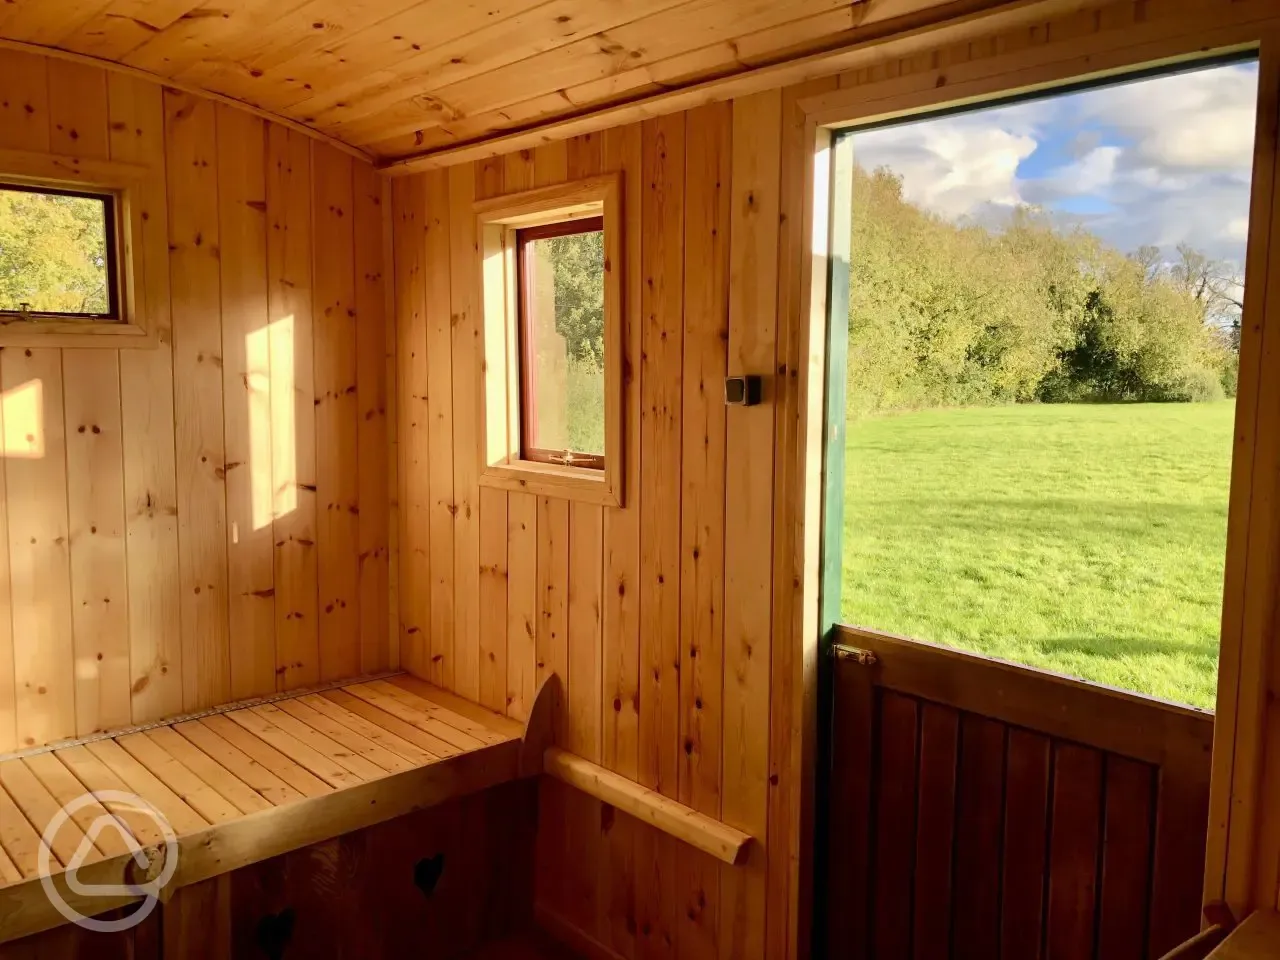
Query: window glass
x=56, y=252
x=562, y=342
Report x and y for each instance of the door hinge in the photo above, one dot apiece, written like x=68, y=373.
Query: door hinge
x=864, y=658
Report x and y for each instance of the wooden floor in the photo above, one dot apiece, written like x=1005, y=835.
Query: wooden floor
x=207, y=772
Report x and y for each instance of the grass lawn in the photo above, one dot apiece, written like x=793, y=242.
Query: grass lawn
x=1085, y=539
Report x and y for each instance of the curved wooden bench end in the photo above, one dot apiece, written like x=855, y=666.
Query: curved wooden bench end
x=540, y=728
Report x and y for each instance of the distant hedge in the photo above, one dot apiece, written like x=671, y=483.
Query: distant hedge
x=947, y=314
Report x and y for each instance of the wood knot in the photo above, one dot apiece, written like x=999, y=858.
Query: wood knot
x=145, y=867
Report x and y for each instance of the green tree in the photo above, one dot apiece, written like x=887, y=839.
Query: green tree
x=947, y=314
x=53, y=253
x=579, y=292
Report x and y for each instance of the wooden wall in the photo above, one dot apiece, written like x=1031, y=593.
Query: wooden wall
x=159, y=557
x=209, y=519
x=658, y=616
x=685, y=624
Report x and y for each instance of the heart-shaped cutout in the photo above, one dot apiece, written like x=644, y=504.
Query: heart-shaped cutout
x=426, y=873
x=275, y=930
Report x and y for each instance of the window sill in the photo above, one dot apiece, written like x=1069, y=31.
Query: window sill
x=554, y=480
x=16, y=332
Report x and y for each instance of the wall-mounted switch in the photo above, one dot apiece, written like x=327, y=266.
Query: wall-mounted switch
x=743, y=391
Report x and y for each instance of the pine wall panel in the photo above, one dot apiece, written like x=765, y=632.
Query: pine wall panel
x=207, y=519
x=657, y=615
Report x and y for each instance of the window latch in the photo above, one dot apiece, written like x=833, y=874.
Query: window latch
x=567, y=458
x=863, y=658
x=24, y=311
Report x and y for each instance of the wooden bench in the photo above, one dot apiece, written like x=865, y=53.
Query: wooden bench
x=1256, y=938
x=241, y=784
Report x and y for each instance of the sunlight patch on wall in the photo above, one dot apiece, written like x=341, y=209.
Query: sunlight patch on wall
x=257, y=354
x=820, y=228
x=283, y=440
x=23, y=417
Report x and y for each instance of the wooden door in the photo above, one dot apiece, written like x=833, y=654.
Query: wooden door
x=983, y=810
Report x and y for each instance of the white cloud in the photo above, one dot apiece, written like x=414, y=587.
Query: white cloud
x=1158, y=161
x=1092, y=173
x=952, y=165
x=1213, y=217
x=1202, y=120
x=1209, y=142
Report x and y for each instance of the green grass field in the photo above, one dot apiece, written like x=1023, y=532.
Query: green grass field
x=1085, y=539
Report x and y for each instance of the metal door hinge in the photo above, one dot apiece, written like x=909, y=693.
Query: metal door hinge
x=864, y=658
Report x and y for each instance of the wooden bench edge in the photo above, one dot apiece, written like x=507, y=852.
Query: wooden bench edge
x=25, y=909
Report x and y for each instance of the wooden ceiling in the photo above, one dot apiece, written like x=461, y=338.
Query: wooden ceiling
x=406, y=77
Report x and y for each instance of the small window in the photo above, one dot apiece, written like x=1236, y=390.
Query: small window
x=561, y=278
x=552, y=365
x=58, y=254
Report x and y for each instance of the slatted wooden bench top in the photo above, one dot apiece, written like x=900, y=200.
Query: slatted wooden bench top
x=245, y=783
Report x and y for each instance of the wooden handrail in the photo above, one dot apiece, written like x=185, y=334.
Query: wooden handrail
x=671, y=817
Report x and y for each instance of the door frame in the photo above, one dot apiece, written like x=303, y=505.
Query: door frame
x=1063, y=48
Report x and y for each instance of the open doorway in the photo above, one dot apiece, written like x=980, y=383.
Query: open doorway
x=1043, y=344
x=1035, y=316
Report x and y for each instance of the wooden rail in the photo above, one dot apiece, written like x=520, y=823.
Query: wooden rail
x=684, y=823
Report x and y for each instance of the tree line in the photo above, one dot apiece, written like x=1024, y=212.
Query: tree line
x=958, y=314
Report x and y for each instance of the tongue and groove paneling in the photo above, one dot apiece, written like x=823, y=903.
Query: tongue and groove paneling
x=656, y=615
x=161, y=551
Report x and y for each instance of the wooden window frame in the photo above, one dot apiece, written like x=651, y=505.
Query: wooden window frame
x=123, y=186
x=505, y=461
x=524, y=237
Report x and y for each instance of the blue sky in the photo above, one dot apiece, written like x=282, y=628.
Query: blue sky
x=1157, y=161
